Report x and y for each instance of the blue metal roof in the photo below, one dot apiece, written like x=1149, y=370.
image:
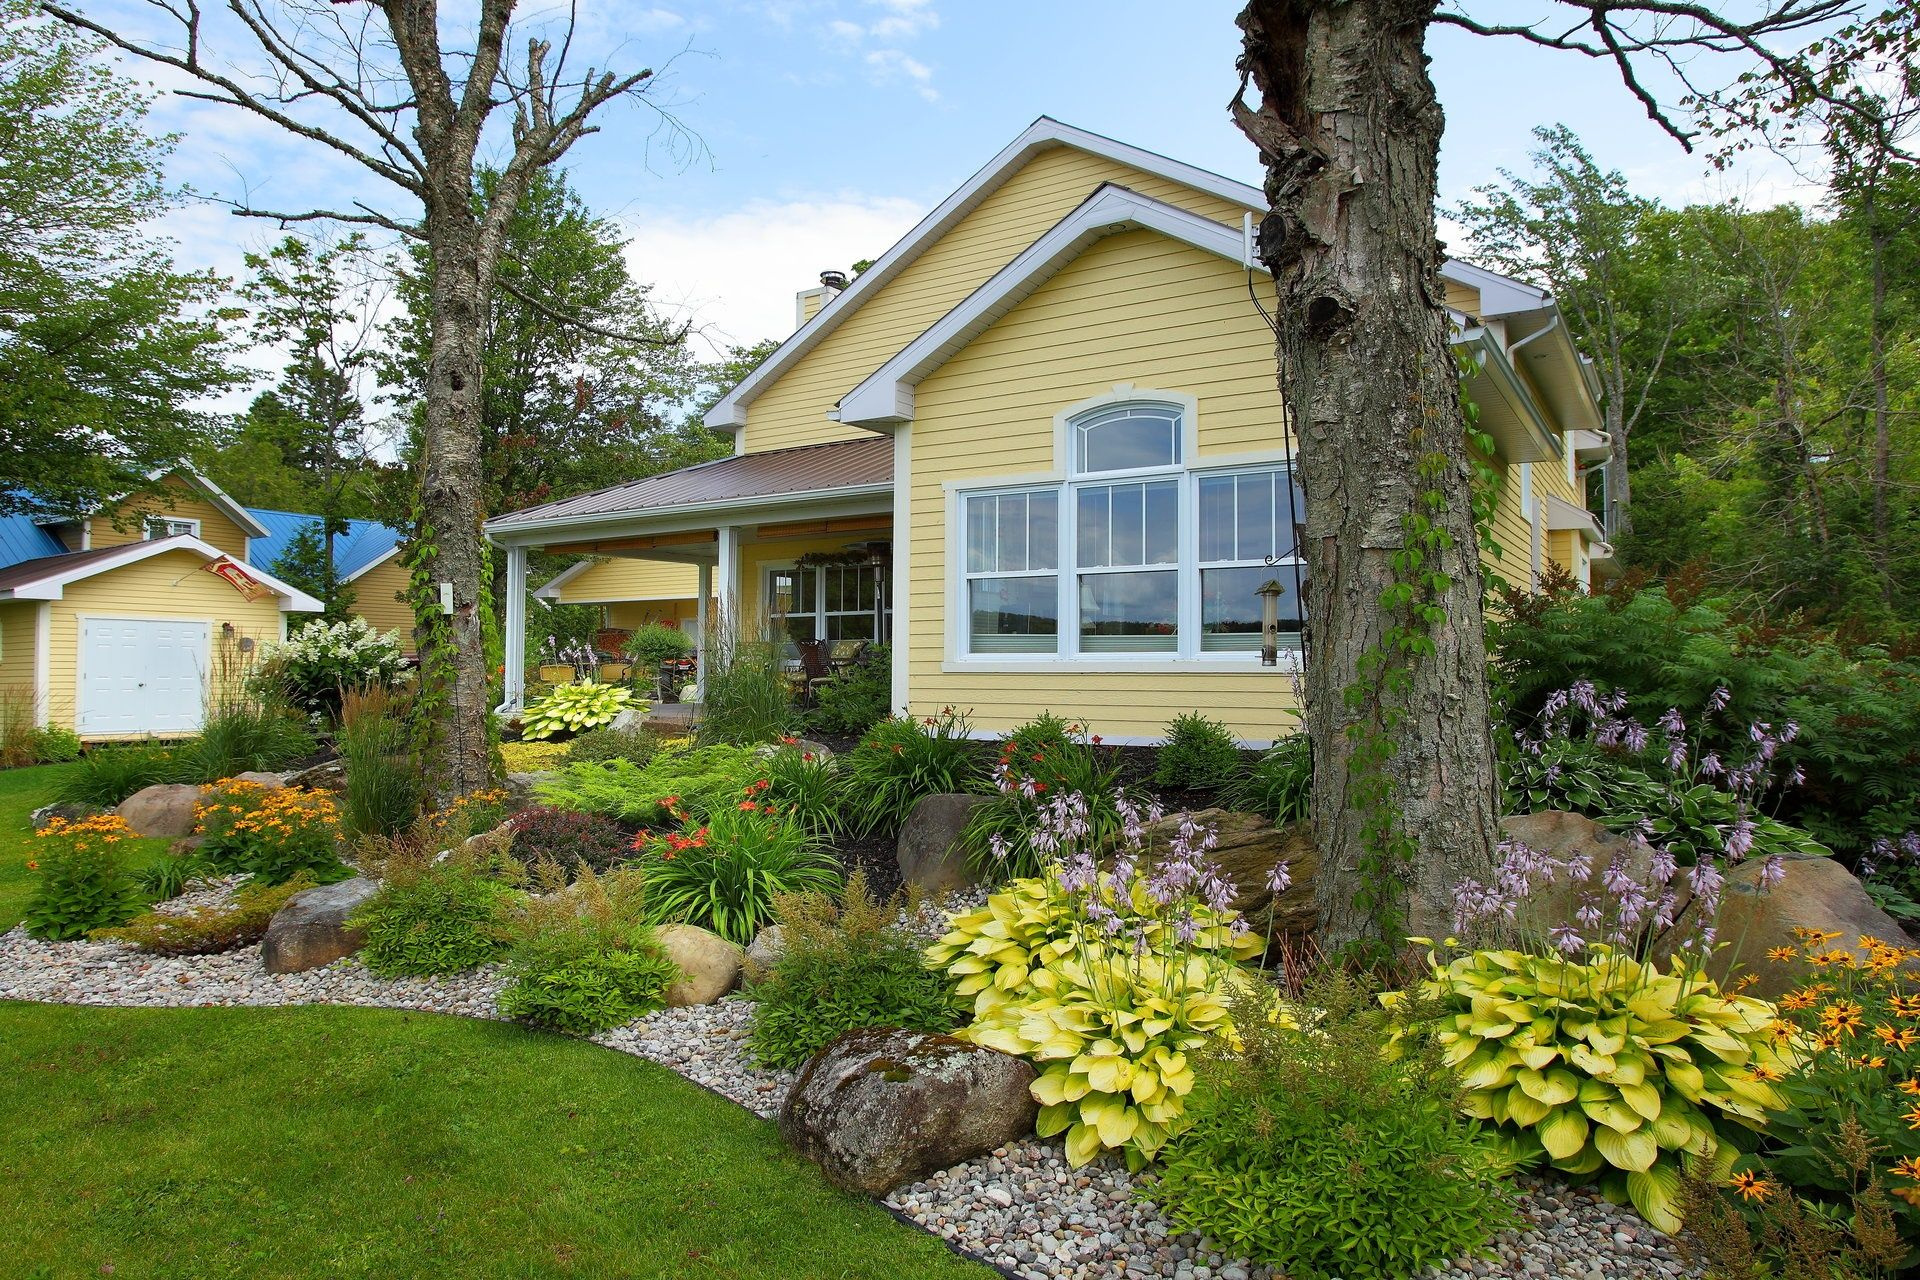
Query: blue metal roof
x=22, y=539
x=364, y=542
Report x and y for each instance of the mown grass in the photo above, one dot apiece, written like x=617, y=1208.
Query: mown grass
x=21, y=792
x=358, y=1142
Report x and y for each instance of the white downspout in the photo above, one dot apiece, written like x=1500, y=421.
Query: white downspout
x=514, y=678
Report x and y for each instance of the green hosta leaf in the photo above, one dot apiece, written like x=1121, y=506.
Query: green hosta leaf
x=1655, y=1192
x=1635, y=1150
x=1563, y=1133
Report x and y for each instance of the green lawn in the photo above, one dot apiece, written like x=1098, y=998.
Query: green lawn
x=21, y=792
x=345, y=1142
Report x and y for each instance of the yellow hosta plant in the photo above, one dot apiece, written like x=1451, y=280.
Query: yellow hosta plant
x=1607, y=1065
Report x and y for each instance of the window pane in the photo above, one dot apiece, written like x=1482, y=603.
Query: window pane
x=1012, y=533
x=1254, y=527
x=1129, y=612
x=1128, y=527
x=1043, y=530
x=1216, y=517
x=1093, y=523
x=980, y=528
x=850, y=626
x=1122, y=439
x=1013, y=615
x=1163, y=523
x=1230, y=607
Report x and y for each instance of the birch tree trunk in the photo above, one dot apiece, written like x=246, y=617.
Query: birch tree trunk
x=1349, y=129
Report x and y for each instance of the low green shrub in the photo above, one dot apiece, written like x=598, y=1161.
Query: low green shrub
x=596, y=746
x=174, y=873
x=695, y=780
x=846, y=965
x=1314, y=1152
x=901, y=761
x=568, y=840
x=724, y=874
x=318, y=664
x=434, y=917
x=859, y=698
x=575, y=708
x=106, y=775
x=806, y=788
x=1043, y=758
x=270, y=833
x=1605, y=1066
x=53, y=744
x=206, y=931
x=1279, y=784
x=82, y=882
x=1199, y=755
x=583, y=958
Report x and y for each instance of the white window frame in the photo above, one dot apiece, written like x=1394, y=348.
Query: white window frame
x=820, y=611
x=147, y=522
x=1063, y=478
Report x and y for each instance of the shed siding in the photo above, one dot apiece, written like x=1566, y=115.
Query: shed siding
x=17, y=619
x=379, y=597
x=793, y=410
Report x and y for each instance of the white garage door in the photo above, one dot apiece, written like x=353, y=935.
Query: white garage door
x=142, y=675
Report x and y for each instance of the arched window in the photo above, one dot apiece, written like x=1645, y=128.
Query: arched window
x=1127, y=437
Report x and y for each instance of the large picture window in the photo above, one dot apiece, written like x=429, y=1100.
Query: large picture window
x=1139, y=551
x=829, y=602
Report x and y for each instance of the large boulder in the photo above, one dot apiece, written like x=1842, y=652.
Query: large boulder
x=66, y=811
x=1566, y=836
x=328, y=775
x=709, y=965
x=878, y=1108
x=929, y=848
x=1814, y=893
x=1247, y=848
x=164, y=809
x=311, y=929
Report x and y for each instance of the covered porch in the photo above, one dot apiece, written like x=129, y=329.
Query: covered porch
x=792, y=545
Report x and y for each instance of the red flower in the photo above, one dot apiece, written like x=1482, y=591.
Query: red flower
x=748, y=806
x=1096, y=739
x=1038, y=787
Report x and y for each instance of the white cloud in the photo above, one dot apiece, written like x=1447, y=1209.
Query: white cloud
x=735, y=276
x=654, y=20
x=904, y=19
x=844, y=32
x=889, y=66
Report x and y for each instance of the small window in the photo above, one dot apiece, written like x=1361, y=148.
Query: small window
x=159, y=527
x=1130, y=437
x=1013, y=582
x=1246, y=541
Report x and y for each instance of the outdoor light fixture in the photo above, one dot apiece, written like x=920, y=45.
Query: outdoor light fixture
x=1269, y=594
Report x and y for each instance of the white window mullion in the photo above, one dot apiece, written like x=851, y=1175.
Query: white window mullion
x=1070, y=569
x=1188, y=562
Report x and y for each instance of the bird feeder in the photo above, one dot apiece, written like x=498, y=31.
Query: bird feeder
x=1269, y=593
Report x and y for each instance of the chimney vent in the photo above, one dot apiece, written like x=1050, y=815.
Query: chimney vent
x=834, y=279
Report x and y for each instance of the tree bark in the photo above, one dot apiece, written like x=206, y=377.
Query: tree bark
x=1349, y=129
x=1619, y=513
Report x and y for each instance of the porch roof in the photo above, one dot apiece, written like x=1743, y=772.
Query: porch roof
x=838, y=467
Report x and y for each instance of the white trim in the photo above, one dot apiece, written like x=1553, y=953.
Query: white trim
x=513, y=681
x=1499, y=295
x=1125, y=739
x=1219, y=664
x=886, y=396
x=1044, y=134
x=43, y=665
x=52, y=585
x=80, y=621
x=152, y=518
x=761, y=508
x=899, y=565
x=374, y=563
x=218, y=496
x=550, y=590
x=1561, y=515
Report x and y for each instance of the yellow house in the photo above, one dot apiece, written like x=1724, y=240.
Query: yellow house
x=113, y=624
x=1037, y=448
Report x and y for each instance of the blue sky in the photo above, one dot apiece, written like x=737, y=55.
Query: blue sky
x=827, y=127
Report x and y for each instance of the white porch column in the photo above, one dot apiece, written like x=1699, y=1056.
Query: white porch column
x=900, y=566
x=727, y=583
x=700, y=626
x=515, y=676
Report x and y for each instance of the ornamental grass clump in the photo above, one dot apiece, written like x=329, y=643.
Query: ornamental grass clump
x=1108, y=979
x=805, y=787
x=846, y=964
x=269, y=833
x=576, y=708
x=901, y=761
x=725, y=874
x=83, y=883
x=1313, y=1150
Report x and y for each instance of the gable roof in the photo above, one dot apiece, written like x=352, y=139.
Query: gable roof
x=225, y=505
x=885, y=397
x=366, y=544
x=24, y=538
x=48, y=577
x=840, y=468
x=1042, y=135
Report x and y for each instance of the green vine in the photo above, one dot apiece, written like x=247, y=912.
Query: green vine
x=1376, y=701
x=433, y=636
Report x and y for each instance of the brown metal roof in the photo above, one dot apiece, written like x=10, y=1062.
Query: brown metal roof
x=28, y=572
x=843, y=464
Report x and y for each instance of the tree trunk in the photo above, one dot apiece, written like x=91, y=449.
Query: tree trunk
x=1349, y=128
x=454, y=676
x=1619, y=513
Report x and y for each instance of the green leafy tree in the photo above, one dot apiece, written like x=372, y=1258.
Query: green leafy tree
x=104, y=347
x=308, y=564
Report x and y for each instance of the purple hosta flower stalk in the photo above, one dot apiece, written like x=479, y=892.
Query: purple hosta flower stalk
x=1772, y=872
x=1567, y=940
x=1740, y=839
x=1280, y=878
x=1662, y=867
x=1717, y=700
x=1588, y=914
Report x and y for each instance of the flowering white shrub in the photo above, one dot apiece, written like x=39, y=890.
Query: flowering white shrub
x=317, y=663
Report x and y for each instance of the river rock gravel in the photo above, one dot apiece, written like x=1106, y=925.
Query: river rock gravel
x=1020, y=1209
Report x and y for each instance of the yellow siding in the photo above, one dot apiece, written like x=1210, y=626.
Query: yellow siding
x=1512, y=531
x=17, y=620
x=793, y=410
x=181, y=502
x=379, y=597
x=631, y=617
x=625, y=578
x=1462, y=297
x=1135, y=308
x=170, y=585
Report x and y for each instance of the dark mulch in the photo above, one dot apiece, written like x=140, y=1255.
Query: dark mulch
x=874, y=855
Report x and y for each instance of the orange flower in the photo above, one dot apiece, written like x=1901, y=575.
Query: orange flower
x=1752, y=1186
x=1781, y=953
x=1794, y=1001
x=1905, y=1006
x=1843, y=1016
x=1911, y=1086
x=1907, y=1167
x=1912, y=1117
